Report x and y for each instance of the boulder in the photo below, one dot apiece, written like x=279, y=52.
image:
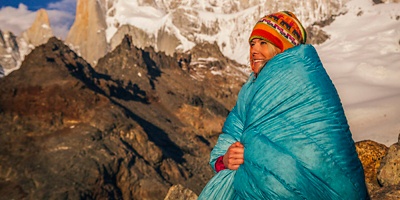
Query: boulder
x=178, y=192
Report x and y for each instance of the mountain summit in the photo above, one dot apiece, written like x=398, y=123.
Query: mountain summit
x=40, y=31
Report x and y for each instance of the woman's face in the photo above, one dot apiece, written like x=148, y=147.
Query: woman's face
x=260, y=53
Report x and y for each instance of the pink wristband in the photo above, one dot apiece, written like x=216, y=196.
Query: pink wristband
x=219, y=164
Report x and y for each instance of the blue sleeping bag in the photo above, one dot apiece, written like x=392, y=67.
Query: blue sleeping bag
x=297, y=143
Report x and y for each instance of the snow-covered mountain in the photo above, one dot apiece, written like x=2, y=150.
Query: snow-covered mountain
x=176, y=26
x=228, y=22
x=171, y=26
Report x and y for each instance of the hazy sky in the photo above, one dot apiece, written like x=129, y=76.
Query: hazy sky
x=18, y=15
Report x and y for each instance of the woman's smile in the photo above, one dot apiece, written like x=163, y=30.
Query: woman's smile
x=259, y=63
x=261, y=52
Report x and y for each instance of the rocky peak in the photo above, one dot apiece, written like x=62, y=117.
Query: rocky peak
x=51, y=56
x=140, y=38
x=40, y=31
x=87, y=35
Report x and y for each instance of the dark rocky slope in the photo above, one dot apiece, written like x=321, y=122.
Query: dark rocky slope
x=128, y=130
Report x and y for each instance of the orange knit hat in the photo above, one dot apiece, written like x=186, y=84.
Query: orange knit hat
x=282, y=29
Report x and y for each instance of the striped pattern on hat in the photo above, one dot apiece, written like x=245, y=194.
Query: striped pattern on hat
x=282, y=29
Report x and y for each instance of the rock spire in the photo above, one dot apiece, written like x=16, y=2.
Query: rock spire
x=40, y=31
x=87, y=35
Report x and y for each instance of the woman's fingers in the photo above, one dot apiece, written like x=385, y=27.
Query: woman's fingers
x=237, y=144
x=237, y=151
x=233, y=158
x=235, y=161
x=234, y=167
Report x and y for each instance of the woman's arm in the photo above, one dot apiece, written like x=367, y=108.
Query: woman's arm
x=232, y=130
x=227, y=144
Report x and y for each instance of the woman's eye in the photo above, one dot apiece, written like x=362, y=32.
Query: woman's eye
x=263, y=42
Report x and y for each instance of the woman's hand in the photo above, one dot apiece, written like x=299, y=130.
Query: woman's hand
x=233, y=158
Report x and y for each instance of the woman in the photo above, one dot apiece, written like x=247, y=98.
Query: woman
x=287, y=136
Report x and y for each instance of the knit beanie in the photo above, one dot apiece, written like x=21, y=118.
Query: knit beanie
x=282, y=29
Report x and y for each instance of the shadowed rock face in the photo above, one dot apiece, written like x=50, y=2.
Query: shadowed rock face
x=128, y=130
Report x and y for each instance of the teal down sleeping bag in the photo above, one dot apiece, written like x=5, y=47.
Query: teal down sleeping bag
x=297, y=142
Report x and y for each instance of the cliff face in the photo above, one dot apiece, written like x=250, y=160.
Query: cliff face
x=87, y=34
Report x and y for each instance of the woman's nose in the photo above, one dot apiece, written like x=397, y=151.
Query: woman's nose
x=254, y=49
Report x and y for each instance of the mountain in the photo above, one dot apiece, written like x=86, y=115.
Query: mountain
x=14, y=48
x=138, y=124
x=228, y=23
x=169, y=26
x=177, y=26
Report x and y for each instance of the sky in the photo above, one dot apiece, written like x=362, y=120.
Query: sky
x=18, y=15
